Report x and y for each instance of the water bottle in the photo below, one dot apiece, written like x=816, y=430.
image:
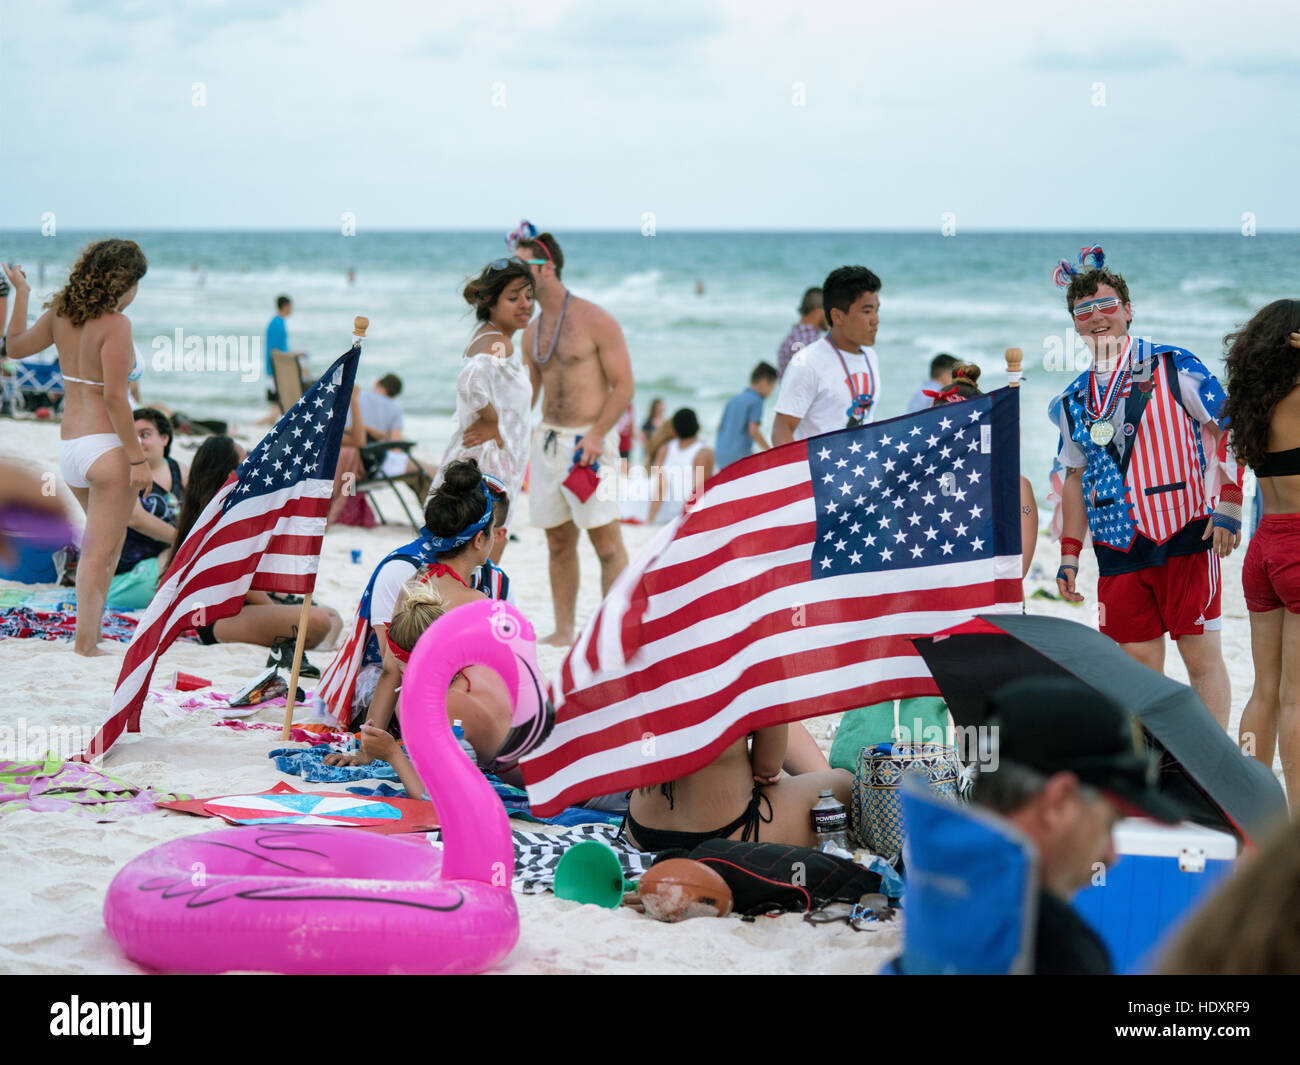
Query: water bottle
x=831, y=822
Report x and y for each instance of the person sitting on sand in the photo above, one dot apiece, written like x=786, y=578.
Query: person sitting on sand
x=459, y=523
x=965, y=385
x=747, y=777
x=477, y=698
x=261, y=621
x=151, y=532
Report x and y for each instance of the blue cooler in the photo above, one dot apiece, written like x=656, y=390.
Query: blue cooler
x=33, y=562
x=1163, y=873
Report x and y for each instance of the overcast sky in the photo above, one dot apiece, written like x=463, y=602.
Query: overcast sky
x=711, y=114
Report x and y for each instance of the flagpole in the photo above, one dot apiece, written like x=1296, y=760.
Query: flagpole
x=359, y=326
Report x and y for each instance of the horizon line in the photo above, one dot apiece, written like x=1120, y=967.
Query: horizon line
x=681, y=230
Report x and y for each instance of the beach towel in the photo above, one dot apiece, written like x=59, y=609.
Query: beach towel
x=284, y=804
x=24, y=623
x=299, y=733
x=56, y=786
x=537, y=854
x=516, y=804
x=309, y=764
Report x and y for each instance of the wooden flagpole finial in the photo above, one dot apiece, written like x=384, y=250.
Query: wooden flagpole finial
x=1014, y=358
x=359, y=326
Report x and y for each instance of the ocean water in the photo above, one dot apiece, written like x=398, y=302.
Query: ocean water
x=972, y=295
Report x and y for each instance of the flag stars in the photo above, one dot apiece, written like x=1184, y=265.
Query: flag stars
x=916, y=431
x=959, y=464
x=916, y=551
x=928, y=499
x=886, y=555
x=960, y=434
x=885, y=441
x=828, y=478
x=840, y=464
x=944, y=452
x=855, y=558
x=853, y=529
x=845, y=489
x=946, y=547
x=832, y=507
x=959, y=495
x=898, y=502
x=946, y=423
x=858, y=471
x=884, y=523
x=874, y=482
x=830, y=535
x=974, y=415
x=855, y=447
x=826, y=563
x=888, y=465
x=871, y=456
x=945, y=515
x=914, y=519
x=931, y=440
x=977, y=544
x=870, y=540
x=840, y=545
x=931, y=533
x=974, y=476
x=899, y=537
x=959, y=530
x=824, y=454
x=975, y=512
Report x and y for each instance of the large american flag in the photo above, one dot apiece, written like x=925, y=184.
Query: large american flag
x=261, y=532
x=791, y=587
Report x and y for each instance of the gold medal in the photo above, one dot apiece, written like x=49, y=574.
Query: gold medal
x=1102, y=433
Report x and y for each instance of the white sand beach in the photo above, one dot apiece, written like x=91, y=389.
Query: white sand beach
x=55, y=868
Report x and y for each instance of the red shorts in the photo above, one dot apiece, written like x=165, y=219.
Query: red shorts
x=1182, y=598
x=1271, y=576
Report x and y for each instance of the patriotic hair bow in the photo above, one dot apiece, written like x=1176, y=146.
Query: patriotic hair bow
x=1065, y=272
x=524, y=231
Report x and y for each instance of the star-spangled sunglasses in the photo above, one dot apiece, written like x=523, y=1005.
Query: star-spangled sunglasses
x=1107, y=305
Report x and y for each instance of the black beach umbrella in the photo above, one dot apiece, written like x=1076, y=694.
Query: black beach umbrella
x=1199, y=765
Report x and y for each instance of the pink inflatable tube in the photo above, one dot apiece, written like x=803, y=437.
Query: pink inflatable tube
x=319, y=900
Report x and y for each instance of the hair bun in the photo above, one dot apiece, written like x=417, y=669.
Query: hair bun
x=968, y=370
x=462, y=478
x=423, y=593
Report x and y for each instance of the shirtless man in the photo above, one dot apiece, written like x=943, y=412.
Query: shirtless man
x=577, y=360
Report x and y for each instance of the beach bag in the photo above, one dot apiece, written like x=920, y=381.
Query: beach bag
x=875, y=809
x=356, y=511
x=917, y=720
x=765, y=877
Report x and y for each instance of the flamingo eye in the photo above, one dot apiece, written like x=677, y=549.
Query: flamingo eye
x=505, y=626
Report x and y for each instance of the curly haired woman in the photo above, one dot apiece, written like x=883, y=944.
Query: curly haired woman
x=99, y=455
x=1263, y=409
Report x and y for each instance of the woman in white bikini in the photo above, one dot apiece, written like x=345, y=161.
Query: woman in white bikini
x=99, y=455
x=493, y=392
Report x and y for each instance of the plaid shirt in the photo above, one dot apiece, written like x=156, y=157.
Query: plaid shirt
x=798, y=337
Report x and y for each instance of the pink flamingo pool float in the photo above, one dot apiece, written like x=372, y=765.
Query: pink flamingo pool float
x=320, y=900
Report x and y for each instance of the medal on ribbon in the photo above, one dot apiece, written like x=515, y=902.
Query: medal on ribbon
x=1101, y=407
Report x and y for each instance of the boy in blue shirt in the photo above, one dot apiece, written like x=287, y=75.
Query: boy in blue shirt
x=742, y=418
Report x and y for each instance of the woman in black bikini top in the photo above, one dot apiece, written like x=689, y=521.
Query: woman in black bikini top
x=1263, y=410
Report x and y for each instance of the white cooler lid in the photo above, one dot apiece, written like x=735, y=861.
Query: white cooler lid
x=1139, y=836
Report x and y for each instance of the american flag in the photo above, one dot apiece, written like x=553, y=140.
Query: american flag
x=790, y=587
x=261, y=532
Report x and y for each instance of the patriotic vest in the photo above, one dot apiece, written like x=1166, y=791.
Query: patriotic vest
x=1156, y=485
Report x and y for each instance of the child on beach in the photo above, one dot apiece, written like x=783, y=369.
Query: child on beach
x=100, y=457
x=493, y=392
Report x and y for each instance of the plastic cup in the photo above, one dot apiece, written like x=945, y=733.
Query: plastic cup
x=189, y=682
x=356, y=556
x=591, y=872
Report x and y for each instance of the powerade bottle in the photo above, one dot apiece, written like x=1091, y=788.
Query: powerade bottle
x=831, y=822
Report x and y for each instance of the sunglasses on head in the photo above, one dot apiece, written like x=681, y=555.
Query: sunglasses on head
x=1107, y=305
x=496, y=488
x=501, y=264
x=545, y=251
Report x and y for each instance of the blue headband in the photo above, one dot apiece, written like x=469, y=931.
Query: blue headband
x=442, y=544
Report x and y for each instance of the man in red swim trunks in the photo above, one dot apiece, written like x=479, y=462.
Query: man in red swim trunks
x=1140, y=430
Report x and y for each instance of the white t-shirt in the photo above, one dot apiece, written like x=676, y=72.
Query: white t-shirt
x=814, y=390
x=388, y=585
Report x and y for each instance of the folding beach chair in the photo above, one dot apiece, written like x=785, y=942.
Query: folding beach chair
x=972, y=889
x=32, y=385
x=287, y=370
x=373, y=457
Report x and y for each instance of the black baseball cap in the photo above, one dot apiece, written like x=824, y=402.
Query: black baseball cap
x=1061, y=725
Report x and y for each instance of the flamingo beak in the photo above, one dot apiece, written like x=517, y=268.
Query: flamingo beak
x=525, y=738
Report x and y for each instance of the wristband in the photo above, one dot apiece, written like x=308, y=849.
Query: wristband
x=1071, y=546
x=1060, y=570
x=1227, y=515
